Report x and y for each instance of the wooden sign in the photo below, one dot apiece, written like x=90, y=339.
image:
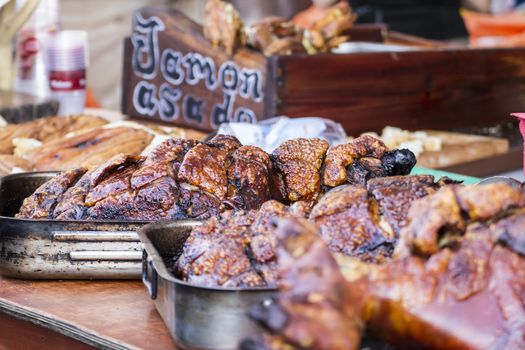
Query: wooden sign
x=171, y=73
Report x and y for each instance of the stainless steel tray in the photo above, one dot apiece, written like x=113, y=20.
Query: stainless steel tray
x=197, y=317
x=52, y=249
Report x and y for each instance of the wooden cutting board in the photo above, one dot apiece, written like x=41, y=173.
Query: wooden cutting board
x=461, y=148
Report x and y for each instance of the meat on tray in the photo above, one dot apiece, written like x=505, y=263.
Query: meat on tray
x=46, y=129
x=190, y=179
x=238, y=249
x=456, y=282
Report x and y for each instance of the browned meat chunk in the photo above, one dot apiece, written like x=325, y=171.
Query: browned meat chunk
x=235, y=250
x=365, y=222
x=223, y=26
x=448, y=212
x=188, y=179
x=362, y=159
x=203, y=177
x=313, y=310
x=394, y=196
x=113, y=175
x=349, y=224
x=40, y=205
x=249, y=178
x=467, y=294
x=299, y=163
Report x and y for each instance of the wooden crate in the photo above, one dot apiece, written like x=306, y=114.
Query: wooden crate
x=171, y=73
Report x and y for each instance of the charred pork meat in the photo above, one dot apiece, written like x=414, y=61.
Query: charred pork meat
x=463, y=290
x=190, y=179
x=236, y=249
x=178, y=179
x=365, y=222
x=239, y=249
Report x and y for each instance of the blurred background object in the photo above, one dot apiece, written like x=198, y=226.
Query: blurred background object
x=107, y=24
x=31, y=76
x=11, y=20
x=431, y=19
x=67, y=62
x=496, y=30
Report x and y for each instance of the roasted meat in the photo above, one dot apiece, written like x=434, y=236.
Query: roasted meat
x=364, y=158
x=42, y=203
x=443, y=216
x=466, y=293
x=88, y=148
x=190, y=179
x=236, y=249
x=178, y=179
x=273, y=35
x=314, y=309
x=223, y=26
x=46, y=129
x=365, y=221
x=298, y=164
x=239, y=249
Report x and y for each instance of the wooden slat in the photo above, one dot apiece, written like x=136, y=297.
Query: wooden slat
x=461, y=148
x=437, y=89
x=114, y=314
x=19, y=334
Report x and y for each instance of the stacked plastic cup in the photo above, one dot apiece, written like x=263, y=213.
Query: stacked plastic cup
x=67, y=60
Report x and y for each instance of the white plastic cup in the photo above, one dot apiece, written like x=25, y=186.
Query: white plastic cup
x=67, y=60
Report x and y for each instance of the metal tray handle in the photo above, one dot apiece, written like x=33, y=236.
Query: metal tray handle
x=149, y=275
x=95, y=236
x=106, y=255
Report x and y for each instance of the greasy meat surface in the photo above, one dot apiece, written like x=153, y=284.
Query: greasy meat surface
x=362, y=159
x=46, y=129
x=178, y=179
x=89, y=148
x=203, y=177
x=222, y=26
x=394, y=195
x=239, y=249
x=42, y=203
x=365, y=221
x=349, y=224
x=299, y=162
x=342, y=156
x=450, y=210
x=189, y=179
x=313, y=310
x=235, y=250
x=467, y=294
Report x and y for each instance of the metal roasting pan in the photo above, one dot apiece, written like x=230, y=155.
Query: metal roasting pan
x=52, y=249
x=197, y=317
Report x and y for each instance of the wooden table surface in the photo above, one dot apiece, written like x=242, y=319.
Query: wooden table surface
x=103, y=314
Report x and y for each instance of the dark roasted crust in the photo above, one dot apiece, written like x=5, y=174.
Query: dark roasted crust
x=236, y=249
x=448, y=212
x=365, y=222
x=394, y=196
x=201, y=180
x=466, y=295
x=40, y=205
x=299, y=163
